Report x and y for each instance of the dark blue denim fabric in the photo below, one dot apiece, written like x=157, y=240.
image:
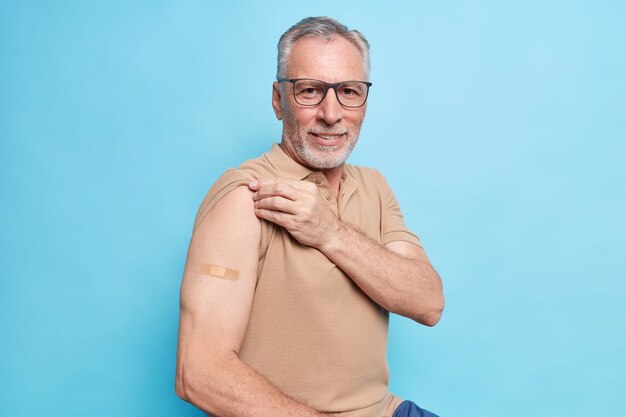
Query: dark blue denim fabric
x=410, y=409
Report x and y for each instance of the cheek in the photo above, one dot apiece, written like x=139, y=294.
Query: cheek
x=289, y=120
x=357, y=119
x=302, y=117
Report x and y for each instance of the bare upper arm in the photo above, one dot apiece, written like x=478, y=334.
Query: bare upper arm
x=214, y=311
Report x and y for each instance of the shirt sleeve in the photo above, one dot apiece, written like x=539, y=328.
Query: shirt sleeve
x=230, y=180
x=392, y=221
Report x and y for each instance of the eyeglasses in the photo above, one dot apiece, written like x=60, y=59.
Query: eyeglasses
x=309, y=92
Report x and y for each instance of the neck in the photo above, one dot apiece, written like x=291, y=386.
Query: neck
x=333, y=175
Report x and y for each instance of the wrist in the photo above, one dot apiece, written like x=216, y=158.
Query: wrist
x=332, y=242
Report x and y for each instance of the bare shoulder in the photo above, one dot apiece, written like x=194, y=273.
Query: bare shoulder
x=236, y=207
x=228, y=236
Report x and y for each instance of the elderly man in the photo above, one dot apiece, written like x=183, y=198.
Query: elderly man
x=297, y=258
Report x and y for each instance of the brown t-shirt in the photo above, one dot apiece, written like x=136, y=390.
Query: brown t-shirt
x=312, y=332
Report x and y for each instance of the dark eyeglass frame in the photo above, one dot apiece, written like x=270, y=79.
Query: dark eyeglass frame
x=327, y=86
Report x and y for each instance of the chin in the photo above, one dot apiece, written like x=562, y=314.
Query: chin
x=316, y=156
x=327, y=157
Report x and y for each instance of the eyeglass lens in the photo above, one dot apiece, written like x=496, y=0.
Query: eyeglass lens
x=311, y=92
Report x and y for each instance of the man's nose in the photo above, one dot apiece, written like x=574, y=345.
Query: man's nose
x=330, y=110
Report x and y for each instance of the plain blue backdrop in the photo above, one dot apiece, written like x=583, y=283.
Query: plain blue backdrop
x=500, y=125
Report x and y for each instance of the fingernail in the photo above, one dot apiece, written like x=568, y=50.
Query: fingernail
x=253, y=184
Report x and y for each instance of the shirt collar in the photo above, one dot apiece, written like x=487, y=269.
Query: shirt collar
x=289, y=168
x=285, y=164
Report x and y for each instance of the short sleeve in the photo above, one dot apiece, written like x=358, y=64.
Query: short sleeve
x=392, y=221
x=230, y=180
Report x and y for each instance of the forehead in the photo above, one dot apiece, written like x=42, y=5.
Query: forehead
x=330, y=60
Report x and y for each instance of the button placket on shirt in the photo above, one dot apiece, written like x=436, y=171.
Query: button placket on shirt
x=324, y=189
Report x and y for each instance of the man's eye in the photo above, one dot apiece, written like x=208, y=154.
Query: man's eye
x=351, y=92
x=309, y=91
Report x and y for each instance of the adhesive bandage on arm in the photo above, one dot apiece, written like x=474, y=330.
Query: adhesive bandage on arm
x=218, y=271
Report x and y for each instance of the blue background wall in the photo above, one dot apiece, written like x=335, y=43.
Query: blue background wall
x=500, y=125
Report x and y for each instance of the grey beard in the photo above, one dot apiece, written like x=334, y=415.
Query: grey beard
x=314, y=160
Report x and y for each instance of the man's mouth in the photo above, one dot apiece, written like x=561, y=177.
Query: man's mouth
x=327, y=139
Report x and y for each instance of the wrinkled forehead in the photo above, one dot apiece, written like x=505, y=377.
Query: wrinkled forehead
x=329, y=59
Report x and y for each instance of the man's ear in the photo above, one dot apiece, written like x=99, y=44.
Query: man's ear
x=276, y=101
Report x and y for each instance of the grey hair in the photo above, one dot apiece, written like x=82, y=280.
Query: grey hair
x=323, y=27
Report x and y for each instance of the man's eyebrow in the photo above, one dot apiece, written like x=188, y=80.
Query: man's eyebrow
x=218, y=271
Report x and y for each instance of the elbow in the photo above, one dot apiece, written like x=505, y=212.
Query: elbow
x=428, y=317
x=431, y=318
x=181, y=388
x=432, y=315
x=186, y=385
x=435, y=309
x=197, y=381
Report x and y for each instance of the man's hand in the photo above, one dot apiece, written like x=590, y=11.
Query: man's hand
x=397, y=276
x=298, y=207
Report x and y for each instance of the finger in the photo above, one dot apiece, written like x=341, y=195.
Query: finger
x=260, y=182
x=298, y=184
x=276, y=203
x=273, y=216
x=278, y=188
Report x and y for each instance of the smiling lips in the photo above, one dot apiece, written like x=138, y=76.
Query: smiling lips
x=327, y=138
